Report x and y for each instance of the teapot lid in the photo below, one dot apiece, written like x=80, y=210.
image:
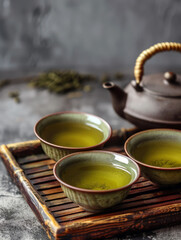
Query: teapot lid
x=166, y=85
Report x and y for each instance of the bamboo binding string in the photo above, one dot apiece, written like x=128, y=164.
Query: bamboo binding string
x=148, y=53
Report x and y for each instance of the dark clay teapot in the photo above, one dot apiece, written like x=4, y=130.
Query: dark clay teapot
x=152, y=101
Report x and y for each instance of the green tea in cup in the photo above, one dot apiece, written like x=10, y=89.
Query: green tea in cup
x=95, y=175
x=96, y=180
x=63, y=133
x=72, y=134
x=159, y=153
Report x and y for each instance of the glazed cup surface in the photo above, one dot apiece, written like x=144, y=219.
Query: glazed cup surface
x=56, y=151
x=97, y=200
x=159, y=175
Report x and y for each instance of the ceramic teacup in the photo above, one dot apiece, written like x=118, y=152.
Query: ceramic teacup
x=94, y=175
x=158, y=153
x=67, y=132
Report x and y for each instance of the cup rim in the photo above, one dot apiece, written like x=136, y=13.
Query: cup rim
x=144, y=164
x=73, y=148
x=96, y=191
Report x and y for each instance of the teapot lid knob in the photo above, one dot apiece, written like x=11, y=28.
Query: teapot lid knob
x=170, y=77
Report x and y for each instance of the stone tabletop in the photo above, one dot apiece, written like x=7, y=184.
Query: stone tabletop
x=17, y=221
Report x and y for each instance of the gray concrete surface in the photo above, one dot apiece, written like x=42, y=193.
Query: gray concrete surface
x=17, y=221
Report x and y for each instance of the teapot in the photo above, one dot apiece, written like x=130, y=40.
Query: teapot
x=152, y=101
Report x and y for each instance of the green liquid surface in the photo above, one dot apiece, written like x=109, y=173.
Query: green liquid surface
x=160, y=153
x=95, y=176
x=72, y=134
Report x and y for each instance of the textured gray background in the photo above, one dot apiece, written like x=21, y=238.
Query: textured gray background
x=99, y=35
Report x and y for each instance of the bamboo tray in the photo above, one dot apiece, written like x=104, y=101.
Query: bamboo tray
x=146, y=207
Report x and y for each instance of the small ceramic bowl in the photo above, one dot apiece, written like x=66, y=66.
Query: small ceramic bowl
x=159, y=174
x=95, y=200
x=56, y=151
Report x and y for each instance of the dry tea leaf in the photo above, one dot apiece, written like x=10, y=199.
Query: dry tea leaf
x=15, y=96
x=61, y=81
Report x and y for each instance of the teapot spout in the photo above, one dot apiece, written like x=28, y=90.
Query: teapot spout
x=119, y=97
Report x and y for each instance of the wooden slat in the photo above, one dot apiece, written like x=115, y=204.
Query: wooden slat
x=155, y=191
x=54, y=196
x=48, y=185
x=74, y=216
x=43, y=179
x=149, y=202
x=58, y=202
x=141, y=179
x=39, y=169
x=70, y=211
x=141, y=184
x=70, y=205
x=50, y=191
x=32, y=158
x=37, y=164
x=142, y=190
x=40, y=174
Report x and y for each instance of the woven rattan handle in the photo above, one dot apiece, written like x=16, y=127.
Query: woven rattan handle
x=148, y=53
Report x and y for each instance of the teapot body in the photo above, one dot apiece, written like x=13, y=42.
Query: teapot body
x=146, y=110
